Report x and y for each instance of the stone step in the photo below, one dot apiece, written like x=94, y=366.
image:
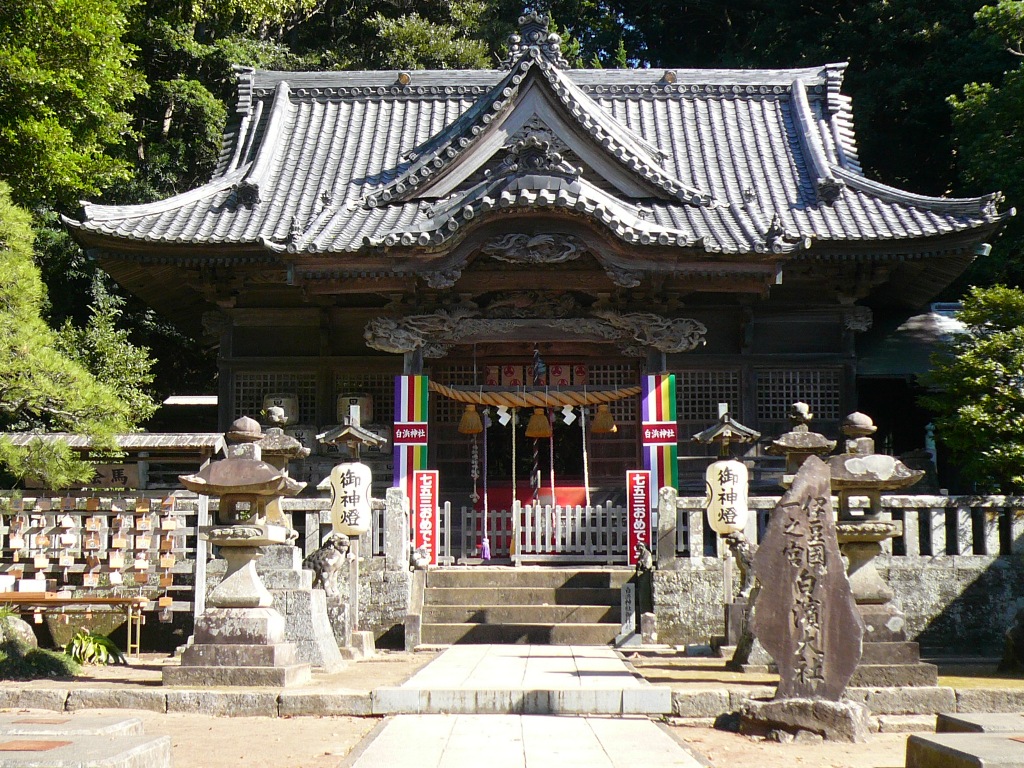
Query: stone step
x=521, y=614
x=980, y=722
x=239, y=655
x=204, y=677
x=965, y=750
x=49, y=725
x=535, y=634
x=477, y=596
x=549, y=578
x=84, y=751
x=891, y=653
x=894, y=675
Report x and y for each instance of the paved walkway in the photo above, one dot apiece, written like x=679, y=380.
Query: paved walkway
x=525, y=741
x=526, y=667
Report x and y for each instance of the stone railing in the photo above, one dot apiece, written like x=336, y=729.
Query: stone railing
x=932, y=525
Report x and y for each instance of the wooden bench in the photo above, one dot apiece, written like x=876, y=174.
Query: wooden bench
x=35, y=602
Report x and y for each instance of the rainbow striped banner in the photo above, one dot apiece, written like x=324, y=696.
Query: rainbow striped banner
x=410, y=433
x=660, y=432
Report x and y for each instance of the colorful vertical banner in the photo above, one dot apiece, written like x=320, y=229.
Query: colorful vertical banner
x=660, y=432
x=425, y=512
x=638, y=512
x=410, y=434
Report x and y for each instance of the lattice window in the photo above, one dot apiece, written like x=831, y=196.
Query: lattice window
x=777, y=390
x=251, y=387
x=379, y=386
x=698, y=394
x=623, y=411
x=446, y=410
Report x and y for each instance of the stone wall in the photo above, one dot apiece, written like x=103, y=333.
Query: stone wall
x=383, y=600
x=958, y=604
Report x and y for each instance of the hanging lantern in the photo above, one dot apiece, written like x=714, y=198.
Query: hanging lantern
x=603, y=422
x=539, y=426
x=471, y=423
x=727, y=496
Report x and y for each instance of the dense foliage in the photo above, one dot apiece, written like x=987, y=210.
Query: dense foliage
x=124, y=101
x=979, y=390
x=45, y=388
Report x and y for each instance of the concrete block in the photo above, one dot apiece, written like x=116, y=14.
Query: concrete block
x=498, y=702
x=904, y=701
x=740, y=696
x=594, y=701
x=117, y=698
x=95, y=752
x=22, y=724
x=538, y=702
x=224, y=703
x=988, y=722
x=964, y=750
x=294, y=703
x=238, y=655
x=647, y=700
x=251, y=677
x=699, y=703
x=33, y=698
x=990, y=700
x=906, y=723
x=250, y=626
x=894, y=675
x=448, y=701
x=395, y=701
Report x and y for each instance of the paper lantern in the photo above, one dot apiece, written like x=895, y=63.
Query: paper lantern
x=727, y=496
x=350, y=498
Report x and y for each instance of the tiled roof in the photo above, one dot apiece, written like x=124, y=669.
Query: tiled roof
x=725, y=162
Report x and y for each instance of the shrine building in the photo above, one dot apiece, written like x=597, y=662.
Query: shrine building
x=711, y=224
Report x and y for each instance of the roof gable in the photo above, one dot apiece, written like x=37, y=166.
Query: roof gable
x=536, y=97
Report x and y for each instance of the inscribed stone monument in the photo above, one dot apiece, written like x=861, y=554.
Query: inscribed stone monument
x=805, y=615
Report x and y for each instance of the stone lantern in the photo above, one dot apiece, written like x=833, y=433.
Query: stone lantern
x=888, y=659
x=239, y=638
x=799, y=443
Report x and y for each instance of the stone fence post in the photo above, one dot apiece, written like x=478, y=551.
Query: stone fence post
x=396, y=537
x=667, y=528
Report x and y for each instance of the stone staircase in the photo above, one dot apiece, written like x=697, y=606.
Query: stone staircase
x=540, y=606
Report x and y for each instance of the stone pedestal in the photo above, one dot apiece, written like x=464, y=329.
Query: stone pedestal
x=239, y=646
x=306, y=614
x=888, y=660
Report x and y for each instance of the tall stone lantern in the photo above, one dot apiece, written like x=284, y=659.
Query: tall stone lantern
x=239, y=638
x=888, y=659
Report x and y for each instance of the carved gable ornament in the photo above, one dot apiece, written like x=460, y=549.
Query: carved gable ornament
x=436, y=333
x=534, y=249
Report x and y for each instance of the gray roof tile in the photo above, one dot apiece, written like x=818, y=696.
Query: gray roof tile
x=718, y=154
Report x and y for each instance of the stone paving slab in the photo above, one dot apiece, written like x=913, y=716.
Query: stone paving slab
x=988, y=722
x=965, y=750
x=85, y=752
x=47, y=725
x=513, y=741
x=529, y=667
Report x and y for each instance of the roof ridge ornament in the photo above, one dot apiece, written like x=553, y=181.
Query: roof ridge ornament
x=534, y=36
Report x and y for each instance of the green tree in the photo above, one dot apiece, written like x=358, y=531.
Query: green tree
x=988, y=123
x=65, y=78
x=41, y=388
x=978, y=390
